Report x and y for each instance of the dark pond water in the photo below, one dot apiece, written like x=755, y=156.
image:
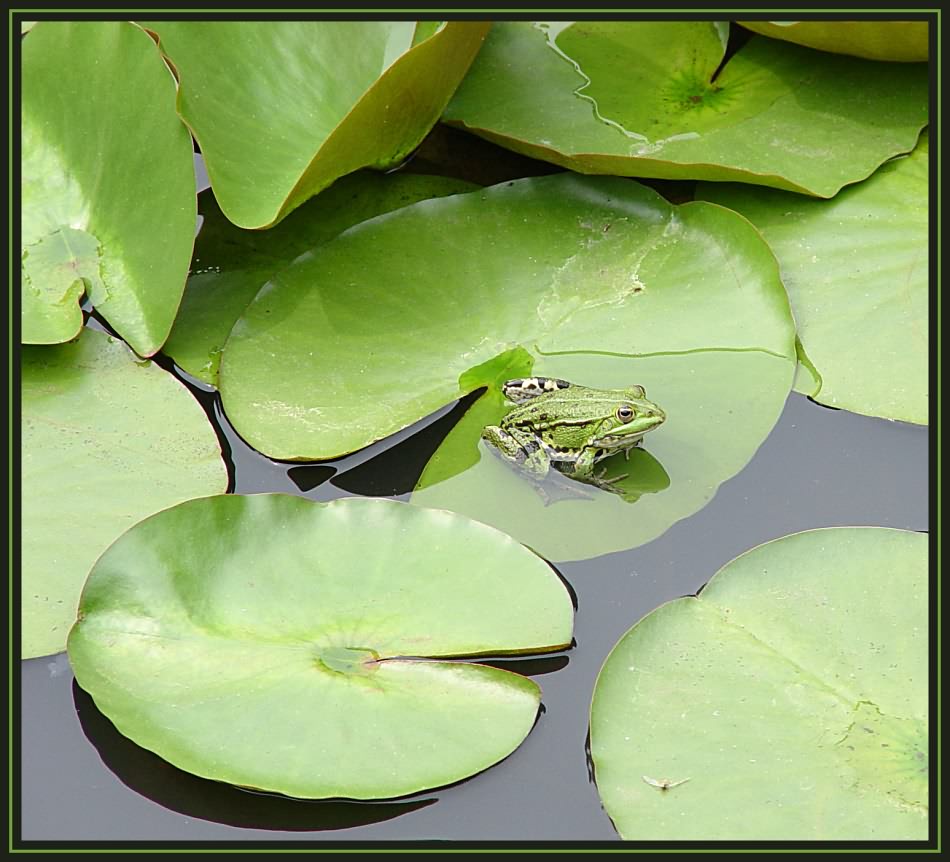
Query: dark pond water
x=819, y=467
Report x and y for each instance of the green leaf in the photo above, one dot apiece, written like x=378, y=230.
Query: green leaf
x=856, y=272
x=673, y=475
x=55, y=272
x=107, y=439
x=230, y=264
x=282, y=109
x=790, y=697
x=904, y=41
x=108, y=184
x=596, y=280
x=275, y=643
x=648, y=99
x=367, y=334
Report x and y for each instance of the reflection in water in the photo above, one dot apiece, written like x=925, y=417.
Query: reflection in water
x=172, y=788
x=642, y=474
x=628, y=478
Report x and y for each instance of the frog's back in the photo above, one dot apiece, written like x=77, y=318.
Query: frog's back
x=576, y=406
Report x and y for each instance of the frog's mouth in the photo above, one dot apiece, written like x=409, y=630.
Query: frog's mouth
x=627, y=435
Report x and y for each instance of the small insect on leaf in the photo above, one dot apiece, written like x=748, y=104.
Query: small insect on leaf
x=663, y=783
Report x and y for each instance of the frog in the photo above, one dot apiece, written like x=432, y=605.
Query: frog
x=571, y=428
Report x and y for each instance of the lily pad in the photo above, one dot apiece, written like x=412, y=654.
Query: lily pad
x=561, y=91
x=788, y=701
x=107, y=440
x=856, y=272
x=366, y=335
x=108, y=184
x=596, y=280
x=280, y=644
x=904, y=41
x=282, y=109
x=673, y=475
x=230, y=264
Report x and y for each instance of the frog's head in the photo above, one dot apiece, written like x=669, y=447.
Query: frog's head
x=633, y=415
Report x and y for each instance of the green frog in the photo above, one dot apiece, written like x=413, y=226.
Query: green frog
x=569, y=427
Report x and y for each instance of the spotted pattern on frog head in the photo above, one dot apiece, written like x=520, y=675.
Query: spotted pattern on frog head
x=523, y=389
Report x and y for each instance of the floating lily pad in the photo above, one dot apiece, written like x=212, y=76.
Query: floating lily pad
x=230, y=264
x=876, y=40
x=108, y=184
x=596, y=280
x=367, y=334
x=787, y=702
x=673, y=475
x=857, y=275
x=107, y=440
x=282, y=109
x=649, y=99
x=275, y=643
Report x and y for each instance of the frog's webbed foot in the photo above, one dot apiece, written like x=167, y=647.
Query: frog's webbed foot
x=598, y=480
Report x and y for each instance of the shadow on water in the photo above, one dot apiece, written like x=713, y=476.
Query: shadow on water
x=309, y=476
x=172, y=788
x=396, y=470
x=530, y=666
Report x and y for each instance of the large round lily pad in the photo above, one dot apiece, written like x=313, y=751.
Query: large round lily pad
x=649, y=99
x=107, y=440
x=282, y=109
x=596, y=280
x=276, y=643
x=904, y=41
x=404, y=312
x=857, y=275
x=108, y=184
x=230, y=264
x=788, y=701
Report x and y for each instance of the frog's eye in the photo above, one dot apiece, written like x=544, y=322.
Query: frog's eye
x=625, y=413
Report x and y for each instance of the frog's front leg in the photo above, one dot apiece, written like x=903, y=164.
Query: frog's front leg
x=521, y=447
x=583, y=470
